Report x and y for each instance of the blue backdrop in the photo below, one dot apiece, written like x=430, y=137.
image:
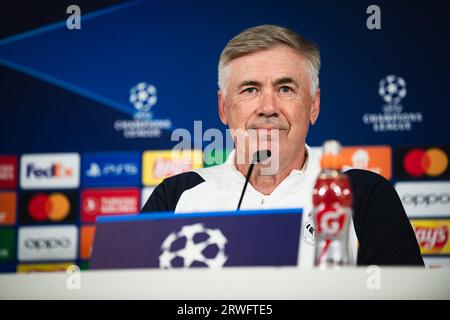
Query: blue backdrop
x=69, y=90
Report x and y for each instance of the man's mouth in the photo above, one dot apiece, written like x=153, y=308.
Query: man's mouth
x=270, y=128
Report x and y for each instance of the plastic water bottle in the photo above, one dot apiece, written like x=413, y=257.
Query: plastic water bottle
x=332, y=202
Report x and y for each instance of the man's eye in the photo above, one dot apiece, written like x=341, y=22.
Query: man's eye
x=249, y=90
x=285, y=89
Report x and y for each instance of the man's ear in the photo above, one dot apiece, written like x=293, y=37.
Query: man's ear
x=315, y=107
x=222, y=113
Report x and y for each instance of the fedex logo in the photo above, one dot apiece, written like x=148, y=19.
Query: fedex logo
x=49, y=171
x=55, y=170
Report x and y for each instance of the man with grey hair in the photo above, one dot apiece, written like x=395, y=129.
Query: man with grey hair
x=268, y=95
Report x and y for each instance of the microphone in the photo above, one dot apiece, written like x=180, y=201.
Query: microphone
x=258, y=156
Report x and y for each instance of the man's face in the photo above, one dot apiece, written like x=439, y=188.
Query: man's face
x=269, y=91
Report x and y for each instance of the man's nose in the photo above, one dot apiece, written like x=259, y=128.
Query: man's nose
x=268, y=106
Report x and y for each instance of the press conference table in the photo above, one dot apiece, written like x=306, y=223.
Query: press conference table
x=233, y=283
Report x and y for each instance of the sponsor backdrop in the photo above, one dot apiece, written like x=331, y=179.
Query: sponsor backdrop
x=87, y=114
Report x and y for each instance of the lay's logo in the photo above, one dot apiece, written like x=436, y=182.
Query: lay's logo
x=163, y=168
x=43, y=267
x=432, y=236
x=158, y=165
x=50, y=171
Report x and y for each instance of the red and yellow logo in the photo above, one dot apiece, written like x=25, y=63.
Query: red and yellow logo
x=158, y=165
x=7, y=208
x=43, y=267
x=432, y=236
x=431, y=162
x=54, y=207
x=373, y=158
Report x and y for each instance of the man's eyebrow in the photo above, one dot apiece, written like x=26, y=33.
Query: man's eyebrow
x=254, y=83
x=249, y=83
x=285, y=80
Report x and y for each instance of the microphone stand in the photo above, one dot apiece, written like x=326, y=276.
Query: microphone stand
x=249, y=173
x=258, y=157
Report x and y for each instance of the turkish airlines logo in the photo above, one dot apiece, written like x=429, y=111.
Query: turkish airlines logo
x=59, y=170
x=97, y=202
x=47, y=243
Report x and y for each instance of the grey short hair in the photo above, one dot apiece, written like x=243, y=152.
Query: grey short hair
x=265, y=37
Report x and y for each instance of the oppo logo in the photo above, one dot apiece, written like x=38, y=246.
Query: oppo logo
x=426, y=199
x=47, y=243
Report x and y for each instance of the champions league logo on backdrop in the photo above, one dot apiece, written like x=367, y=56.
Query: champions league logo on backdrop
x=392, y=89
x=143, y=97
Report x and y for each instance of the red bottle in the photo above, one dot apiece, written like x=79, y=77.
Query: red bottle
x=332, y=213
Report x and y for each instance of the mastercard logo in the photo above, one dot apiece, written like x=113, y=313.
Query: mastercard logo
x=431, y=162
x=54, y=207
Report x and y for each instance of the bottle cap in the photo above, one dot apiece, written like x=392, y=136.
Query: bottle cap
x=331, y=158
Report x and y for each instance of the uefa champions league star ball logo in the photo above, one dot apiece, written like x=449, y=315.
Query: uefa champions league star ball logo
x=193, y=245
x=143, y=125
x=143, y=97
x=392, y=89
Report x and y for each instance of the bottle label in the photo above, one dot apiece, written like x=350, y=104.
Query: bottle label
x=331, y=220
